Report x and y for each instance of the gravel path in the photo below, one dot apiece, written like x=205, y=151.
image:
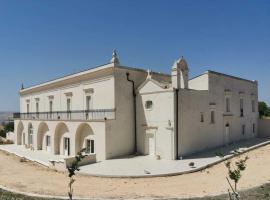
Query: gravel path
x=30, y=177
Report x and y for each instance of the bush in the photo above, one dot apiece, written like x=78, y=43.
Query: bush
x=5, y=141
x=264, y=110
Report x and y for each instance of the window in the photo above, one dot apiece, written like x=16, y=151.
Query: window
x=241, y=107
x=51, y=108
x=212, y=117
x=243, y=129
x=68, y=104
x=202, y=117
x=37, y=107
x=148, y=105
x=90, y=146
x=68, y=108
x=228, y=106
x=253, y=128
x=28, y=108
x=48, y=141
x=253, y=105
x=88, y=103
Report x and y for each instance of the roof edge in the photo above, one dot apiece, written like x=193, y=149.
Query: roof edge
x=231, y=76
x=222, y=74
x=89, y=70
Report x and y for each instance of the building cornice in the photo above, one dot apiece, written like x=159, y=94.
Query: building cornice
x=70, y=79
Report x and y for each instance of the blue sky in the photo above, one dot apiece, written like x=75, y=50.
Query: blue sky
x=41, y=40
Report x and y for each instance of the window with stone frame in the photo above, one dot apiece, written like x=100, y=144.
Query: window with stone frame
x=149, y=105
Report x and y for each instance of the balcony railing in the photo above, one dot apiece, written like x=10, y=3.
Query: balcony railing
x=99, y=114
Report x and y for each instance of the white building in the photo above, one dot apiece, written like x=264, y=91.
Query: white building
x=114, y=110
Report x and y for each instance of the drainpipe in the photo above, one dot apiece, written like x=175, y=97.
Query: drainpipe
x=135, y=114
x=176, y=92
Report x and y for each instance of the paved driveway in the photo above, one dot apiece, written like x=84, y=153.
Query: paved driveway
x=41, y=157
x=140, y=166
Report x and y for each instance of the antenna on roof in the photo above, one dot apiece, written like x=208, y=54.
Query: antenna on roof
x=22, y=87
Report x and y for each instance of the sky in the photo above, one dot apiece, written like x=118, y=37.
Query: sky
x=42, y=40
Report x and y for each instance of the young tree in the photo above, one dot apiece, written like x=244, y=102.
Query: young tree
x=234, y=172
x=72, y=170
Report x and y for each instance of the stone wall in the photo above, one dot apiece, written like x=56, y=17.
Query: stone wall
x=264, y=128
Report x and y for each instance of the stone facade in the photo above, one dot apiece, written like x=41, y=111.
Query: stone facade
x=114, y=110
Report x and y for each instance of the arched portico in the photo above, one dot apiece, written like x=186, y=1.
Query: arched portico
x=43, y=137
x=62, y=139
x=84, y=138
x=20, y=135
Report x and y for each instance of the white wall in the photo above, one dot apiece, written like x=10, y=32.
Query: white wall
x=100, y=87
x=120, y=133
x=111, y=90
x=199, y=83
x=156, y=120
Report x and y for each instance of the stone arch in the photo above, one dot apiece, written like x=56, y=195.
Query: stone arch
x=30, y=134
x=60, y=130
x=20, y=128
x=42, y=130
x=84, y=131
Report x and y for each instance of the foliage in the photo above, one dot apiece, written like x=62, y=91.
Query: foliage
x=7, y=127
x=72, y=170
x=3, y=133
x=264, y=110
x=234, y=172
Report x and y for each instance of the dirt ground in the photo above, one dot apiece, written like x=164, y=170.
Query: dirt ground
x=30, y=177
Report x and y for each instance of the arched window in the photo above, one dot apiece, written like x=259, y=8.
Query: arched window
x=149, y=105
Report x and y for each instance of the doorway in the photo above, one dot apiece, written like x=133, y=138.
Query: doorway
x=66, y=146
x=227, y=134
x=23, y=139
x=48, y=143
x=150, y=145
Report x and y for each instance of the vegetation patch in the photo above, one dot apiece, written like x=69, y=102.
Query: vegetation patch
x=260, y=193
x=4, y=195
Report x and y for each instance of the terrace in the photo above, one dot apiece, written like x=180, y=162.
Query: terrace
x=87, y=115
